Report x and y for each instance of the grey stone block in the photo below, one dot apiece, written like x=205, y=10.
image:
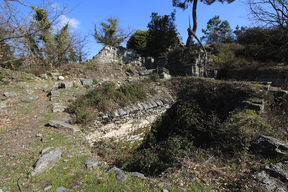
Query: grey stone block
x=120, y=175
x=46, y=161
x=92, y=162
x=62, y=125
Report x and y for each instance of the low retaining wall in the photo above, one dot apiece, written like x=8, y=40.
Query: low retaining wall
x=131, y=123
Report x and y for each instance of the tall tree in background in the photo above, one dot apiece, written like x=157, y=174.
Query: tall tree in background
x=272, y=15
x=29, y=34
x=6, y=53
x=192, y=32
x=269, y=13
x=51, y=49
x=62, y=45
x=183, y=4
x=138, y=41
x=110, y=33
x=217, y=31
x=162, y=34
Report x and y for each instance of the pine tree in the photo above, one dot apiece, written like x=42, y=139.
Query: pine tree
x=110, y=33
x=217, y=31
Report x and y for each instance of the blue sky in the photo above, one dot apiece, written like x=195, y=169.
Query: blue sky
x=136, y=14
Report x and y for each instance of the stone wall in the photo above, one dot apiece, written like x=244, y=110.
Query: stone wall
x=132, y=122
x=121, y=55
x=184, y=61
x=278, y=76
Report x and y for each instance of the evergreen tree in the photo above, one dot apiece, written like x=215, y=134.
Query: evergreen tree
x=110, y=33
x=73, y=57
x=138, y=42
x=46, y=46
x=6, y=54
x=183, y=4
x=162, y=34
x=61, y=45
x=217, y=31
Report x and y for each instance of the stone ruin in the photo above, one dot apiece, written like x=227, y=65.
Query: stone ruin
x=183, y=62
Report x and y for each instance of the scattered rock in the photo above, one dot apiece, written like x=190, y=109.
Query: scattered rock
x=278, y=170
x=10, y=94
x=62, y=125
x=92, y=162
x=83, y=140
x=165, y=76
x=137, y=174
x=77, y=83
x=2, y=104
x=67, y=84
x=105, y=80
x=270, y=146
x=61, y=189
x=268, y=183
x=87, y=82
x=44, y=76
x=39, y=135
x=46, y=161
x=48, y=187
x=31, y=97
x=30, y=91
x=147, y=72
x=61, y=78
x=46, y=149
x=120, y=175
x=253, y=106
x=54, y=93
x=58, y=107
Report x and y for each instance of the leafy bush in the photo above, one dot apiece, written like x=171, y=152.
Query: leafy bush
x=264, y=44
x=138, y=42
x=208, y=116
x=154, y=77
x=161, y=35
x=230, y=56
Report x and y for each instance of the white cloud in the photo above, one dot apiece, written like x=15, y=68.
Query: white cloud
x=73, y=23
x=55, y=6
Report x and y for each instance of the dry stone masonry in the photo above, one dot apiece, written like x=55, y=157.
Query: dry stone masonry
x=179, y=62
x=130, y=119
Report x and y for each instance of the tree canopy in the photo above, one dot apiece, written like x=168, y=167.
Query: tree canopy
x=217, y=31
x=160, y=36
x=183, y=4
x=110, y=33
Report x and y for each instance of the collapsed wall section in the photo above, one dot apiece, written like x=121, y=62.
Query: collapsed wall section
x=183, y=62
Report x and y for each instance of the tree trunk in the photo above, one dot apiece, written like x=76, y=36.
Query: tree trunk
x=190, y=31
x=195, y=24
x=194, y=8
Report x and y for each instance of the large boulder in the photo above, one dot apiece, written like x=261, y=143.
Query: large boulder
x=120, y=175
x=270, y=146
x=46, y=161
x=273, y=177
x=63, y=125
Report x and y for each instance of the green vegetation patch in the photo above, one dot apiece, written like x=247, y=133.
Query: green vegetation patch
x=209, y=128
x=106, y=98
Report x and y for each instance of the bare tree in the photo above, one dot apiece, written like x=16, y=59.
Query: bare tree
x=80, y=46
x=19, y=30
x=272, y=15
x=269, y=12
